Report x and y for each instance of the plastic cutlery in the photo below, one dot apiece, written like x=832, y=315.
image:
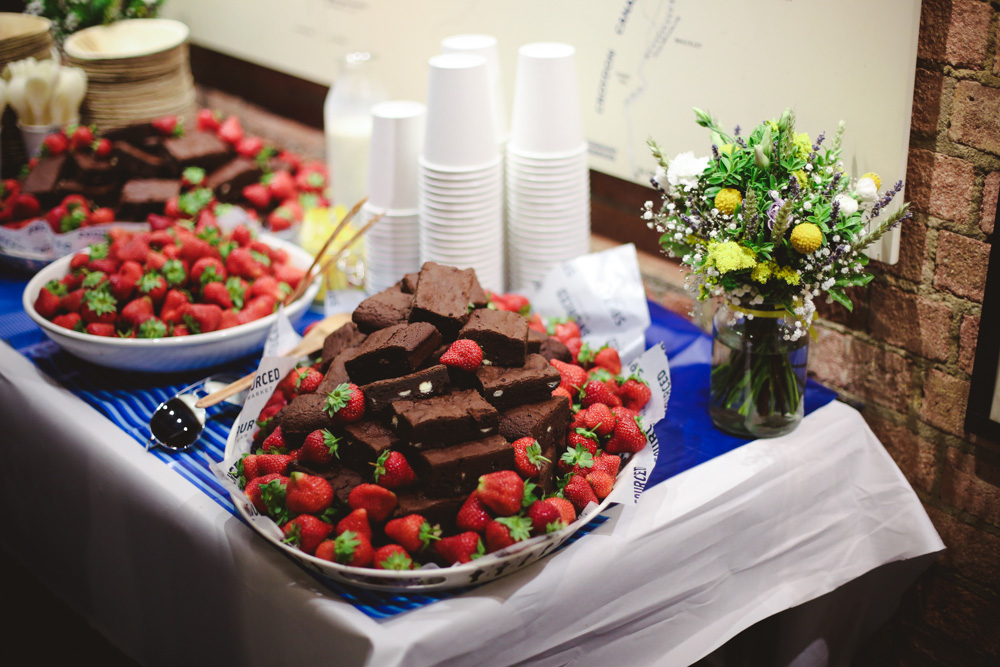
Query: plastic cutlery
x=36, y=93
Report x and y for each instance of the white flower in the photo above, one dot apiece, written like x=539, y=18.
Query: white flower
x=685, y=169
x=866, y=189
x=848, y=204
x=648, y=215
x=660, y=176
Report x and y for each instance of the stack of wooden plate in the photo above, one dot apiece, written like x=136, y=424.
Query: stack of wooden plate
x=137, y=70
x=23, y=36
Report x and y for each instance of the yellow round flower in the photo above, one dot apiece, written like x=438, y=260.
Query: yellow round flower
x=806, y=238
x=872, y=175
x=801, y=177
x=727, y=200
x=803, y=145
x=727, y=148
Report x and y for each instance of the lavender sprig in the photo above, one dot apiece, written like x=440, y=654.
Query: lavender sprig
x=885, y=200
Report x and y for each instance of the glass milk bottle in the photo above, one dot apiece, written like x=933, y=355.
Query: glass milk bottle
x=348, y=126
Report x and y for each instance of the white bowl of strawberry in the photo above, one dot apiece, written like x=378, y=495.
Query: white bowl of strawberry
x=169, y=300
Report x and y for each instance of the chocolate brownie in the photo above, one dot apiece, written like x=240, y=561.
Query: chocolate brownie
x=437, y=511
x=552, y=348
x=305, y=414
x=535, y=340
x=409, y=283
x=503, y=335
x=442, y=298
x=442, y=420
x=454, y=470
x=336, y=374
x=229, y=180
x=342, y=479
x=134, y=134
x=102, y=195
x=417, y=385
x=43, y=179
x=392, y=352
x=140, y=197
x=197, y=149
x=341, y=339
x=366, y=440
x=385, y=309
x=137, y=163
x=477, y=296
x=94, y=170
x=506, y=387
x=545, y=421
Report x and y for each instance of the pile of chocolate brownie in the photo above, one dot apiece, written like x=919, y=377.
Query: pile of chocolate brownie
x=451, y=425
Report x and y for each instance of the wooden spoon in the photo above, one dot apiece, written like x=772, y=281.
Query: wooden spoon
x=311, y=342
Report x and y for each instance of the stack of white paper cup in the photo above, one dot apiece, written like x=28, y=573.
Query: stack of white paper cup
x=547, y=175
x=485, y=46
x=461, y=177
x=392, y=245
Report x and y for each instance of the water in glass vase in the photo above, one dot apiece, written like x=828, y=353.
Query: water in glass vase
x=758, y=375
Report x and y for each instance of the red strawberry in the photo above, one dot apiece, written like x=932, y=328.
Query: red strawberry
x=101, y=216
x=574, y=345
x=393, y=471
x=257, y=308
x=275, y=443
x=99, y=306
x=100, y=329
x=505, y=531
x=265, y=286
x=72, y=301
x=635, y=393
x=307, y=380
x=291, y=159
x=501, y=491
x=286, y=273
x=566, y=510
x=578, y=492
x=562, y=391
x=306, y=532
x=172, y=310
x=356, y=521
x=250, y=146
x=465, y=354
x=596, y=391
x=207, y=121
x=319, y=447
x=608, y=463
x=473, y=515
x=69, y=321
x=253, y=491
x=208, y=269
x=138, y=311
x=25, y=205
x=55, y=143
x=168, y=126
x=154, y=286
x=581, y=437
x=217, y=293
x=460, y=548
x=230, y=131
x=47, y=303
x=378, y=500
x=627, y=438
x=564, y=329
x=282, y=185
x=258, y=195
x=578, y=460
x=273, y=463
x=192, y=177
x=349, y=548
x=545, y=517
x=601, y=482
x=607, y=357
x=413, y=532
x=201, y=317
x=392, y=557
x=135, y=249
x=242, y=263
x=598, y=418
x=102, y=148
x=310, y=181
x=280, y=219
x=247, y=469
x=308, y=494
x=528, y=457
x=345, y=404
x=573, y=376
x=82, y=137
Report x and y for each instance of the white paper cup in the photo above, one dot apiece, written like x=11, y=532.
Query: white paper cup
x=549, y=159
x=485, y=46
x=34, y=136
x=459, y=129
x=546, y=116
x=396, y=143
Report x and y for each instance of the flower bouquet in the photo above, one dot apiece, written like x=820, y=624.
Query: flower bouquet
x=766, y=224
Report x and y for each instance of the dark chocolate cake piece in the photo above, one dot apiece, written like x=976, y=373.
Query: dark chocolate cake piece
x=134, y=134
x=409, y=283
x=305, y=414
x=102, y=195
x=506, y=387
x=366, y=440
x=90, y=169
x=545, y=421
x=442, y=420
x=391, y=352
x=341, y=339
x=43, y=179
x=454, y=470
x=503, y=335
x=140, y=197
x=442, y=298
x=553, y=348
x=336, y=374
x=229, y=180
x=385, y=309
x=420, y=384
x=438, y=511
x=342, y=479
x=137, y=163
x=197, y=149
x=535, y=340
x=477, y=295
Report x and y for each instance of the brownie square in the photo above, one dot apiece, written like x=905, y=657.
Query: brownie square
x=140, y=197
x=197, y=149
x=546, y=421
x=94, y=170
x=43, y=180
x=443, y=420
x=535, y=340
x=385, y=309
x=137, y=163
x=420, y=384
x=228, y=181
x=305, y=414
x=344, y=337
x=506, y=387
x=552, y=348
x=442, y=298
x=391, y=352
x=342, y=479
x=502, y=335
x=409, y=283
x=336, y=373
x=437, y=511
x=366, y=441
x=134, y=134
x=102, y=195
x=477, y=295
x=455, y=470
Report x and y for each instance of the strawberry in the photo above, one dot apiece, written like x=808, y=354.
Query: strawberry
x=135, y=249
x=168, y=126
x=208, y=269
x=566, y=510
x=378, y=500
x=138, y=311
x=465, y=354
x=596, y=391
x=608, y=463
x=306, y=532
x=607, y=357
x=172, y=310
x=601, y=482
x=201, y=317
x=564, y=329
x=501, y=491
x=460, y=548
x=247, y=469
x=257, y=308
x=413, y=532
x=265, y=286
x=393, y=471
x=345, y=404
x=72, y=301
x=192, y=177
x=172, y=208
x=516, y=303
x=25, y=205
x=273, y=463
x=55, y=143
x=286, y=273
x=230, y=131
x=578, y=460
x=280, y=219
x=275, y=443
x=578, y=492
x=598, y=418
x=545, y=517
x=562, y=391
x=99, y=306
x=253, y=491
x=82, y=137
x=258, y=195
x=573, y=377
x=101, y=216
x=69, y=321
x=100, y=329
x=627, y=438
x=249, y=146
x=281, y=184
x=635, y=393
x=307, y=380
x=349, y=548
x=207, y=121
x=310, y=181
x=241, y=262
x=291, y=159
x=505, y=531
x=308, y=494
x=356, y=521
x=102, y=147
x=581, y=437
x=47, y=301
x=528, y=457
x=392, y=557
x=320, y=447
x=574, y=345
x=154, y=286
x=217, y=293
x=473, y=515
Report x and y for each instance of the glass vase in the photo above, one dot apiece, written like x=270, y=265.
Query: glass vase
x=758, y=372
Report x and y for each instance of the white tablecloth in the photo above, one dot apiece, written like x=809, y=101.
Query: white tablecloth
x=172, y=578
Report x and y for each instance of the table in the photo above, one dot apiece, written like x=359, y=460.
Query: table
x=170, y=576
